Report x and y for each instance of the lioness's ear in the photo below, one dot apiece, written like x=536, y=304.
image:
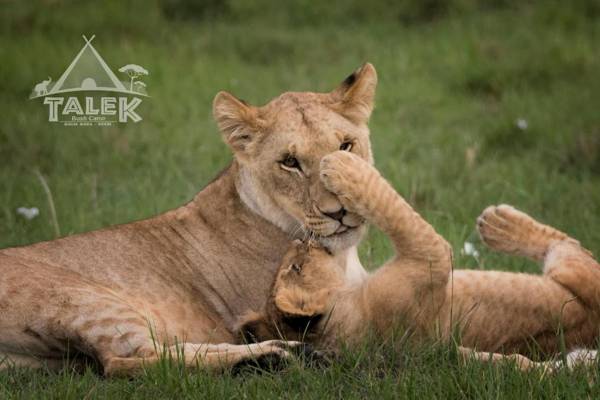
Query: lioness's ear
x=237, y=120
x=355, y=97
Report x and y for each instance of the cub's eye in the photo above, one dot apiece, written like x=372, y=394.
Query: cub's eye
x=296, y=268
x=291, y=163
x=346, y=146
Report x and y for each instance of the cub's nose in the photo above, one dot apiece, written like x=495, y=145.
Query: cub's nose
x=337, y=215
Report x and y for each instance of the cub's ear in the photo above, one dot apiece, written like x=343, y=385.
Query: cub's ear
x=238, y=121
x=355, y=97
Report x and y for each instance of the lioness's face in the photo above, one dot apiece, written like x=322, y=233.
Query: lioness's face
x=279, y=147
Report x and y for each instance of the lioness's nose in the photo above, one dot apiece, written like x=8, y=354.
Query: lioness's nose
x=338, y=215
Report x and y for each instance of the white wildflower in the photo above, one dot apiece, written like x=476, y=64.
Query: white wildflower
x=28, y=213
x=470, y=250
x=522, y=124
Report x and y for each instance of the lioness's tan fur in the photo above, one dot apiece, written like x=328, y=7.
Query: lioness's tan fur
x=492, y=311
x=185, y=277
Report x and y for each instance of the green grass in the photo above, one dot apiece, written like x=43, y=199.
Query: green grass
x=453, y=82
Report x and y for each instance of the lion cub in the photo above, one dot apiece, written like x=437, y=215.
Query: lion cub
x=310, y=301
x=493, y=311
x=306, y=288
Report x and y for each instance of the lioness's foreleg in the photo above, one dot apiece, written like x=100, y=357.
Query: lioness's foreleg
x=115, y=334
x=14, y=360
x=57, y=314
x=413, y=285
x=215, y=357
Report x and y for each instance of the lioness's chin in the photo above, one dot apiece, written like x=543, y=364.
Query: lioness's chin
x=343, y=240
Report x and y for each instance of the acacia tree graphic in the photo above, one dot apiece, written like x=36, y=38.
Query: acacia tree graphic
x=133, y=71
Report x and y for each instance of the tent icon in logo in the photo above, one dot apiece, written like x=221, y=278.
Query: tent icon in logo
x=89, y=72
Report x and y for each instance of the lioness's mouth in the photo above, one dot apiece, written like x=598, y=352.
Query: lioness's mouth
x=343, y=237
x=339, y=232
x=342, y=229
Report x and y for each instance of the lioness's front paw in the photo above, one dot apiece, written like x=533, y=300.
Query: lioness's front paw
x=341, y=172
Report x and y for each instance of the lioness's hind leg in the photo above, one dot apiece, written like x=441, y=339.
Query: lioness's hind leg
x=506, y=229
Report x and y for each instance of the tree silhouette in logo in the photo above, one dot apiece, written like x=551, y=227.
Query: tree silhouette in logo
x=133, y=71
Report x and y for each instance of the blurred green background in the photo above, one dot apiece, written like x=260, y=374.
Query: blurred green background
x=479, y=102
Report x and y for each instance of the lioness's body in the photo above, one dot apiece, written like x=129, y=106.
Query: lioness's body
x=187, y=272
x=182, y=279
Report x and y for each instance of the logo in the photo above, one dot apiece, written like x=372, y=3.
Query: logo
x=89, y=93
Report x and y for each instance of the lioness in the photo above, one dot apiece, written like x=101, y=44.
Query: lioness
x=493, y=311
x=185, y=277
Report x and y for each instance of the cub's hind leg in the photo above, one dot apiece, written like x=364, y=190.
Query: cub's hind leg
x=565, y=261
x=573, y=359
x=521, y=362
x=574, y=268
x=503, y=228
x=506, y=229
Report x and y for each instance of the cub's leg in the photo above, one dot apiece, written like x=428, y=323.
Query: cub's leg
x=361, y=188
x=506, y=229
x=522, y=362
x=573, y=359
x=565, y=262
x=412, y=287
x=574, y=268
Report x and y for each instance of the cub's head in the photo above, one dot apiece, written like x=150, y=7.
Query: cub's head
x=302, y=294
x=278, y=148
x=306, y=280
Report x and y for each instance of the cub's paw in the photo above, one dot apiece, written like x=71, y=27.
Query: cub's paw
x=506, y=229
x=341, y=172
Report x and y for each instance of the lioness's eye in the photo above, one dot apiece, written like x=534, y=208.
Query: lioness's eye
x=291, y=163
x=346, y=146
